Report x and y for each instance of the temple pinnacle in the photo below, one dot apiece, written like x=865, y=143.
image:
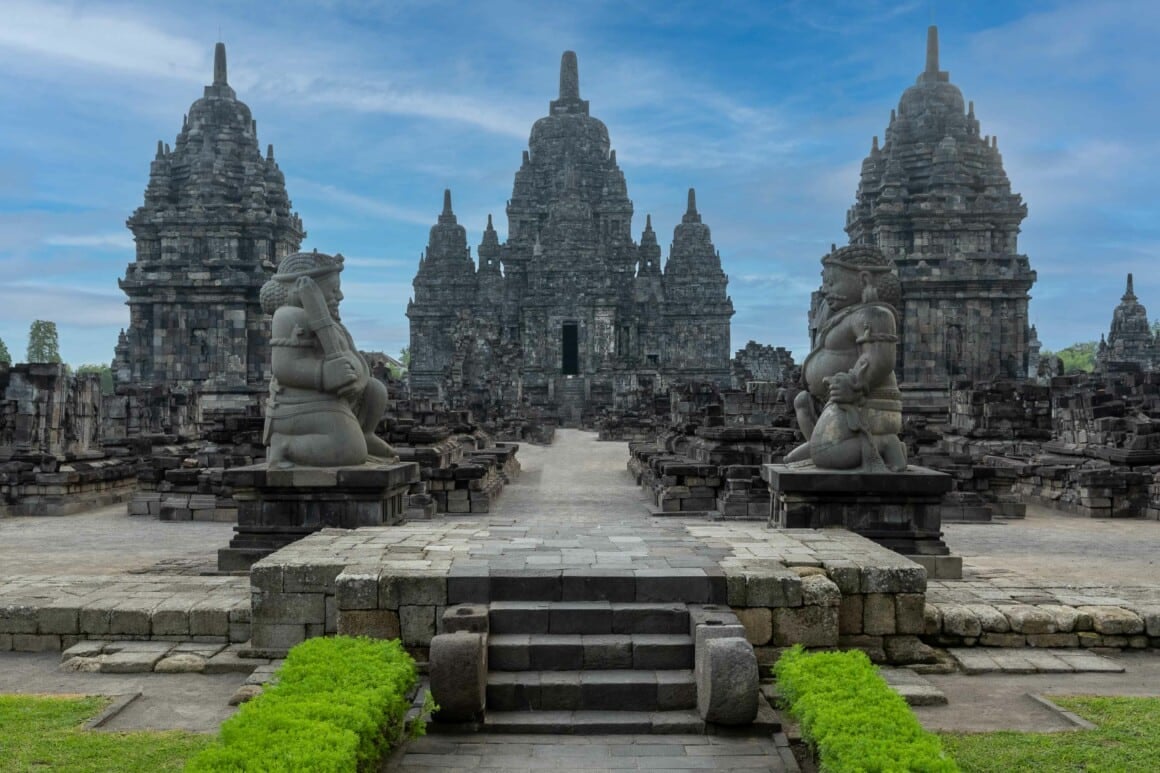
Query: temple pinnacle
x=219, y=65
x=932, y=50
x=692, y=201
x=569, y=77
x=1129, y=294
x=648, y=222
x=489, y=225
x=447, y=201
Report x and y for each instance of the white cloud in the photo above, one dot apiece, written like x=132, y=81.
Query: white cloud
x=308, y=189
x=111, y=241
x=107, y=39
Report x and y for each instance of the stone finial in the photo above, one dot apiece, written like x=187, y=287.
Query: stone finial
x=692, y=210
x=874, y=144
x=447, y=202
x=1129, y=295
x=160, y=148
x=219, y=65
x=270, y=152
x=932, y=49
x=648, y=224
x=569, y=77
x=490, y=227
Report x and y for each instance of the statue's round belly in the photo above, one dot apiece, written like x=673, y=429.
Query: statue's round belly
x=825, y=363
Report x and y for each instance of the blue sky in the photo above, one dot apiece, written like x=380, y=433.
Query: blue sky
x=767, y=108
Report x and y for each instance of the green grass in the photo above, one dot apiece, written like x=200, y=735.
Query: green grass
x=44, y=733
x=1126, y=740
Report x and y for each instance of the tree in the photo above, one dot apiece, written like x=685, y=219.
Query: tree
x=1077, y=358
x=5, y=357
x=404, y=357
x=43, y=345
x=104, y=371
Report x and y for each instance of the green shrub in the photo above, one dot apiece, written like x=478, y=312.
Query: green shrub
x=338, y=705
x=852, y=717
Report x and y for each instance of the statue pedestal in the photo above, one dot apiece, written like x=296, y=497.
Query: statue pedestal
x=898, y=510
x=277, y=507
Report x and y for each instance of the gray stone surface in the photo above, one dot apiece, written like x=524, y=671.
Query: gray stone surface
x=727, y=677
x=457, y=671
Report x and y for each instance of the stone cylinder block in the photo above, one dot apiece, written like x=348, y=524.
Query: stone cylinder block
x=458, y=674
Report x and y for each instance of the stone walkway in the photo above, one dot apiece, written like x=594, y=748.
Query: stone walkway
x=584, y=754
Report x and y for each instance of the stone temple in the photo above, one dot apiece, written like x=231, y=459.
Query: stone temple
x=936, y=199
x=570, y=311
x=1129, y=344
x=215, y=221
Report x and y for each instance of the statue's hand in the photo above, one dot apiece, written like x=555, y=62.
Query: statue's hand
x=313, y=301
x=339, y=373
x=842, y=388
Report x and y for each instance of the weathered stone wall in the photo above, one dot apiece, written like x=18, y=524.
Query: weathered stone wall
x=47, y=410
x=757, y=362
x=51, y=461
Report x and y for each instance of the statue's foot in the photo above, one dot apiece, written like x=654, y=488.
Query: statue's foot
x=378, y=447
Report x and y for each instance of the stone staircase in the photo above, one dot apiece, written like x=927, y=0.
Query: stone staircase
x=570, y=397
x=625, y=667
x=589, y=666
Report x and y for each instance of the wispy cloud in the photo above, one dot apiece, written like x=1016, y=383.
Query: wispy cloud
x=121, y=241
x=88, y=37
x=366, y=205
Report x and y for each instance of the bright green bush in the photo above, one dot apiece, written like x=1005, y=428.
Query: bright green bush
x=852, y=718
x=338, y=705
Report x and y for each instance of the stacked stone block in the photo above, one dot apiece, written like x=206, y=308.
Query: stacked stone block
x=757, y=362
x=51, y=460
x=1092, y=488
x=1041, y=625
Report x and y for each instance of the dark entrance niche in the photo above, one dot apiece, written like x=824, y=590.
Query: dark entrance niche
x=570, y=349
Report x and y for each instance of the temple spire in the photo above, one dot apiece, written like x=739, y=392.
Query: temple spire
x=1129, y=295
x=569, y=77
x=932, y=49
x=219, y=65
x=692, y=201
x=447, y=202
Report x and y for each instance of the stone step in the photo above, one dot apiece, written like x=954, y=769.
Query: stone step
x=573, y=652
x=672, y=585
x=593, y=722
x=607, y=690
x=587, y=617
x=587, y=722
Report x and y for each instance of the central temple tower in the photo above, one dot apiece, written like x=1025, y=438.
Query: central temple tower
x=570, y=309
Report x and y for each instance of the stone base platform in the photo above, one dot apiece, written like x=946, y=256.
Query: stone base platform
x=821, y=588
x=47, y=614
x=898, y=510
x=278, y=506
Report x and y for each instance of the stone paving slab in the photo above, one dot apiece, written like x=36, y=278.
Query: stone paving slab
x=915, y=689
x=163, y=657
x=53, y=612
x=979, y=660
x=592, y=753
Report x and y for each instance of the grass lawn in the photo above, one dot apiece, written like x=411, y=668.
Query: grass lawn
x=1127, y=739
x=44, y=733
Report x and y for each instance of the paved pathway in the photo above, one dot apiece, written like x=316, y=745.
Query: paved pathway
x=579, y=754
